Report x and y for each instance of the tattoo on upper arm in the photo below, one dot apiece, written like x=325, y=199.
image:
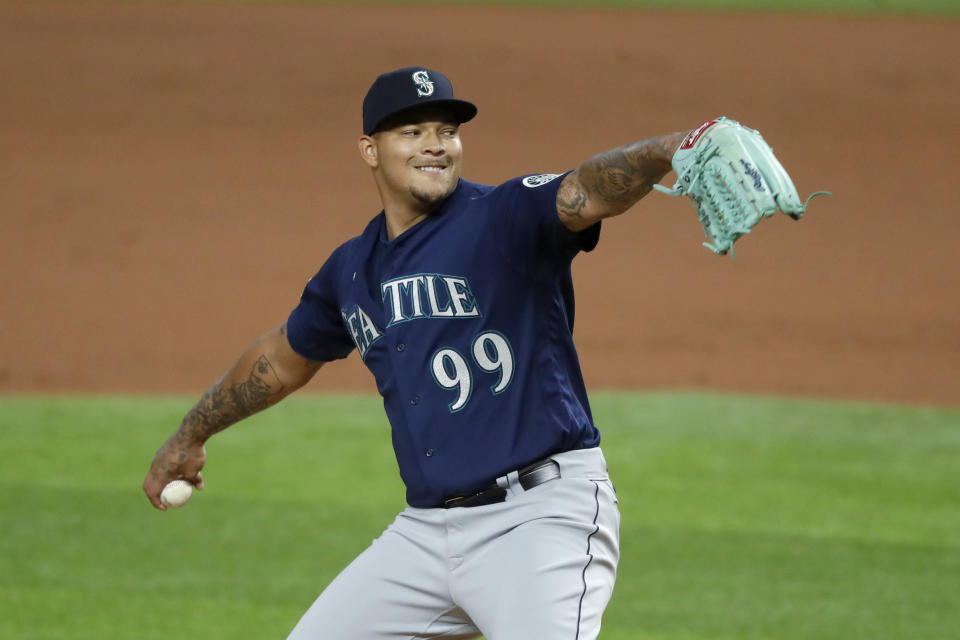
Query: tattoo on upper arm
x=571, y=199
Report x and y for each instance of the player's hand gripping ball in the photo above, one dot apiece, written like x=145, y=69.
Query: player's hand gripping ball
x=734, y=181
x=176, y=493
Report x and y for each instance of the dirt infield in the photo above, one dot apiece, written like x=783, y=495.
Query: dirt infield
x=170, y=176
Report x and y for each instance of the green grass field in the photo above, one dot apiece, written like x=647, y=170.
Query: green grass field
x=742, y=518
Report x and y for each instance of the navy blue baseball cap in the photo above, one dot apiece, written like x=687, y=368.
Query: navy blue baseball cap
x=409, y=88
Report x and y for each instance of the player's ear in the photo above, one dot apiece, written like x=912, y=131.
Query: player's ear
x=368, y=151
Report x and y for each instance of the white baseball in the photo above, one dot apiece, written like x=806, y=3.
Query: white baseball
x=176, y=493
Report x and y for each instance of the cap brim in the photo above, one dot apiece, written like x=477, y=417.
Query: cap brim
x=462, y=110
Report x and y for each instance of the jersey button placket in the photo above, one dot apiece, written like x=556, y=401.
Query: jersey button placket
x=415, y=400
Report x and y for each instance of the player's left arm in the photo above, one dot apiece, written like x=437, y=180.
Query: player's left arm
x=609, y=183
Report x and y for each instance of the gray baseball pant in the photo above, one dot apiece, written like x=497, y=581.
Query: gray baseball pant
x=540, y=565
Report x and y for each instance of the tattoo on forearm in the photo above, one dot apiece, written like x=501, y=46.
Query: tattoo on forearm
x=623, y=175
x=255, y=392
x=222, y=406
x=619, y=177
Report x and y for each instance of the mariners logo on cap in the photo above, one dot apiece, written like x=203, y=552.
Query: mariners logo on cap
x=424, y=85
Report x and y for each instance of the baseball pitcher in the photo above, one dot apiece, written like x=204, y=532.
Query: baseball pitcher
x=459, y=299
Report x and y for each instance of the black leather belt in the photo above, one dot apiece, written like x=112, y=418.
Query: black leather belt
x=529, y=477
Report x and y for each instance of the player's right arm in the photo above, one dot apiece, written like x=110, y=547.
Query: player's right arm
x=266, y=373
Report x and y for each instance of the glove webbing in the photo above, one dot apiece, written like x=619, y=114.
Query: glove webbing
x=717, y=191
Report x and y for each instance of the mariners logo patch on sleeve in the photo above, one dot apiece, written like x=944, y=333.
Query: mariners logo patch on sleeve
x=539, y=180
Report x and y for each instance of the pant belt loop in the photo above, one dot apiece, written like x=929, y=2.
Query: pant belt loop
x=511, y=482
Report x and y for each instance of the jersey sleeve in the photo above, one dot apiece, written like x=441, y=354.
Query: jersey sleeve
x=315, y=328
x=530, y=231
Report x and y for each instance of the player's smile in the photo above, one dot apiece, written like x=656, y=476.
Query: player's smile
x=435, y=171
x=432, y=168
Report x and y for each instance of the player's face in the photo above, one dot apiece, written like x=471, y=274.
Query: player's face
x=420, y=158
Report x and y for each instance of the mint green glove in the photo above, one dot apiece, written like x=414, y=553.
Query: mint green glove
x=734, y=181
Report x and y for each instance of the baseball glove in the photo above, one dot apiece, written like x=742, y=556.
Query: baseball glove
x=734, y=180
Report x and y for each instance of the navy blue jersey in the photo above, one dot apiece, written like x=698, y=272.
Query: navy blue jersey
x=466, y=321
